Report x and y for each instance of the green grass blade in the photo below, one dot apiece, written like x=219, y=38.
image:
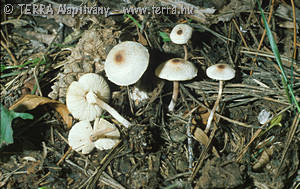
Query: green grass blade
x=164, y=36
x=287, y=86
x=134, y=20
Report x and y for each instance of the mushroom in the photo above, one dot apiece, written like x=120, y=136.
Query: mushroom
x=180, y=34
x=221, y=72
x=176, y=69
x=79, y=137
x=86, y=98
x=126, y=63
x=105, y=134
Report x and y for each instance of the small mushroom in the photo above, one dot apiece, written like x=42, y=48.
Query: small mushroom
x=180, y=34
x=126, y=63
x=176, y=69
x=105, y=134
x=79, y=137
x=86, y=98
x=221, y=72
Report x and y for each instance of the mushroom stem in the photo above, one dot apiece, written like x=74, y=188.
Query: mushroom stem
x=185, y=52
x=174, y=96
x=211, y=115
x=113, y=112
x=96, y=135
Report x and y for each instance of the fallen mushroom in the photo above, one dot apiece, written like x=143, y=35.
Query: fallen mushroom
x=79, y=137
x=86, y=98
x=221, y=72
x=105, y=134
x=176, y=69
x=83, y=138
x=180, y=34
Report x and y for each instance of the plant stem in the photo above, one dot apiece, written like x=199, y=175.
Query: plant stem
x=174, y=96
x=211, y=115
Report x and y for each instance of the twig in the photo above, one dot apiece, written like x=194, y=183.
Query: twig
x=104, y=163
x=218, y=115
x=295, y=31
x=203, y=153
x=190, y=148
x=223, y=38
x=10, y=53
x=238, y=29
x=37, y=81
x=64, y=156
x=265, y=31
x=291, y=134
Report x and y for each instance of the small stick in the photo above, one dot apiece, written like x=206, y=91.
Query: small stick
x=64, y=156
x=190, y=148
x=10, y=53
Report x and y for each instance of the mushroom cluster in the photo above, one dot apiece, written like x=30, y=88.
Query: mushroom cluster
x=87, y=98
x=125, y=64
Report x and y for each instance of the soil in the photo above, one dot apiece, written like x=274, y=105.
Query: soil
x=161, y=149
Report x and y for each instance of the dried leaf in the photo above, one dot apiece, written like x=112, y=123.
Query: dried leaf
x=192, y=11
x=201, y=137
x=64, y=113
x=204, y=114
x=142, y=39
x=16, y=22
x=263, y=159
x=30, y=102
x=232, y=9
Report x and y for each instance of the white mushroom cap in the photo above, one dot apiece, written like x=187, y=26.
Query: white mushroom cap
x=78, y=95
x=220, y=72
x=111, y=138
x=126, y=63
x=181, y=33
x=79, y=137
x=176, y=69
